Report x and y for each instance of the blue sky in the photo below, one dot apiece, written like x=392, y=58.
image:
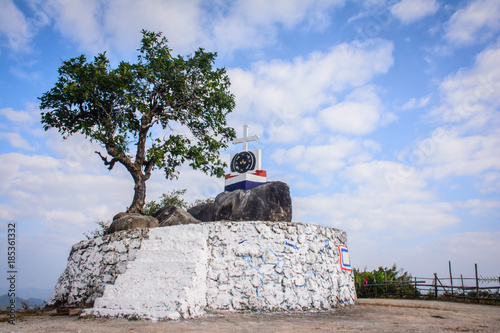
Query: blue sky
x=382, y=116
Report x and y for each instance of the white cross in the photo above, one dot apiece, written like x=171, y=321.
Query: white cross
x=245, y=139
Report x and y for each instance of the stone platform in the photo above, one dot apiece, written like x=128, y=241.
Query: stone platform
x=182, y=271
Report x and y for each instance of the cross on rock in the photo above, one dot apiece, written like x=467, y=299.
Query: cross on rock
x=245, y=139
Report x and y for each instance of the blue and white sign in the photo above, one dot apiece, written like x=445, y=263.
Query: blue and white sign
x=345, y=262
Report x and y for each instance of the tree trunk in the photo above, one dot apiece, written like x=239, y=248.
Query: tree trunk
x=137, y=205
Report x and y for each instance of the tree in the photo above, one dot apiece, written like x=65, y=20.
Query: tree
x=155, y=114
x=173, y=198
x=384, y=281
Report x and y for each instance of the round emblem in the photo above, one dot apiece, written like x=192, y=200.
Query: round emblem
x=243, y=162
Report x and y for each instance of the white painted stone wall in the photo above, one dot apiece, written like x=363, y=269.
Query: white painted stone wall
x=181, y=271
x=93, y=264
x=276, y=266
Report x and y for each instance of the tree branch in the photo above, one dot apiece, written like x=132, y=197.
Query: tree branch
x=146, y=123
x=149, y=167
x=105, y=160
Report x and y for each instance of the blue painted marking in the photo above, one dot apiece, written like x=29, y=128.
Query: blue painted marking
x=243, y=241
x=341, y=254
x=244, y=185
x=247, y=257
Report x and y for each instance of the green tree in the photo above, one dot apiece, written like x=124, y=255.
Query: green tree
x=384, y=281
x=173, y=198
x=183, y=101
x=99, y=231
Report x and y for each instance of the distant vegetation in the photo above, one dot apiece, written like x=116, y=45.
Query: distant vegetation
x=384, y=281
x=391, y=282
x=32, y=303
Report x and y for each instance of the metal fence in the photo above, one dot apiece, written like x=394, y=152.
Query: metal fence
x=476, y=288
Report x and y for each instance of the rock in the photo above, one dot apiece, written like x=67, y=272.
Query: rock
x=268, y=202
x=119, y=215
x=172, y=215
x=203, y=212
x=127, y=221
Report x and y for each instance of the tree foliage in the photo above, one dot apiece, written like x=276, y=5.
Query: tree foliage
x=99, y=231
x=173, y=198
x=157, y=113
x=384, y=281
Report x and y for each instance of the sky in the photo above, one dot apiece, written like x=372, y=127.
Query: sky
x=382, y=116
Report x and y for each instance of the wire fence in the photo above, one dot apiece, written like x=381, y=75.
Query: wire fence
x=476, y=288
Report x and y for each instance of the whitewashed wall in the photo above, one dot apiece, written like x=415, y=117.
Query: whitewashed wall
x=181, y=271
x=276, y=266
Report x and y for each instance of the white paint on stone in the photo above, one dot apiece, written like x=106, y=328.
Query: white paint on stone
x=181, y=271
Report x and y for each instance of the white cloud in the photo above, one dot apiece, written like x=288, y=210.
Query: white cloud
x=16, y=141
x=325, y=160
x=81, y=21
x=58, y=197
x=473, y=94
x=180, y=21
x=415, y=103
x=14, y=27
x=457, y=155
x=286, y=92
x=372, y=205
x=428, y=255
x=225, y=26
x=469, y=143
x=358, y=114
x=253, y=24
x=476, y=22
x=22, y=117
x=472, y=247
x=482, y=207
x=318, y=159
x=489, y=182
x=409, y=11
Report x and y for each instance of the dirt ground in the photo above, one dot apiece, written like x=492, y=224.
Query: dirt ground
x=370, y=315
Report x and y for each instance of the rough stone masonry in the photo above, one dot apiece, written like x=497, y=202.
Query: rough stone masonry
x=184, y=270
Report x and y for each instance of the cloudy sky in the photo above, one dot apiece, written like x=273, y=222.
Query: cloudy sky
x=381, y=115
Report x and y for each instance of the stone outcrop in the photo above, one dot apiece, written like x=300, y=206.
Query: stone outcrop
x=268, y=202
x=128, y=221
x=172, y=215
x=204, y=212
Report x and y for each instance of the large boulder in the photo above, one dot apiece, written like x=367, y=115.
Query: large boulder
x=127, y=221
x=204, y=212
x=267, y=202
x=172, y=215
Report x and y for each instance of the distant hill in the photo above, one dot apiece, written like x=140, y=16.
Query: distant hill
x=28, y=293
x=5, y=302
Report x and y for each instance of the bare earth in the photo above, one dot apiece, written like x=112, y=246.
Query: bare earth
x=370, y=315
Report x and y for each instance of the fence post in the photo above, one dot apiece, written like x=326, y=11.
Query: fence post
x=435, y=285
x=416, y=294
x=385, y=282
x=477, y=282
x=451, y=278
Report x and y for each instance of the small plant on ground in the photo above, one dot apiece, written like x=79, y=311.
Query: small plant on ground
x=99, y=231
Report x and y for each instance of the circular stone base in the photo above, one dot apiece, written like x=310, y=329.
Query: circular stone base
x=183, y=270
